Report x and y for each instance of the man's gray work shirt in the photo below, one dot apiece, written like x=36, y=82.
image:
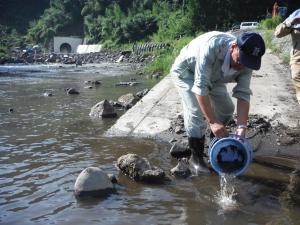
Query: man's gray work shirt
x=202, y=59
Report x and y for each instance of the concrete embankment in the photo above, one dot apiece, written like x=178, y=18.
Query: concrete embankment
x=273, y=97
x=152, y=115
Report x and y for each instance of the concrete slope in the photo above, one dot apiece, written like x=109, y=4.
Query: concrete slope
x=273, y=97
x=152, y=114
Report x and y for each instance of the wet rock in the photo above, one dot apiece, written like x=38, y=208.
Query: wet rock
x=11, y=110
x=77, y=59
x=72, y=91
x=179, y=130
x=128, y=100
x=88, y=87
x=130, y=83
x=120, y=59
x=156, y=75
x=142, y=93
x=140, y=169
x=181, y=169
x=97, y=82
x=78, y=62
x=287, y=140
x=103, y=109
x=116, y=104
x=293, y=132
x=180, y=150
x=47, y=94
x=69, y=60
x=177, y=125
x=92, y=181
x=112, y=178
x=172, y=140
x=93, y=82
x=153, y=176
x=52, y=58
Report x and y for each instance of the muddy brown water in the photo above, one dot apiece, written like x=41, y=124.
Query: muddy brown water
x=47, y=141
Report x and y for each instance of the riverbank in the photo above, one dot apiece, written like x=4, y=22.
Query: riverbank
x=77, y=59
x=273, y=103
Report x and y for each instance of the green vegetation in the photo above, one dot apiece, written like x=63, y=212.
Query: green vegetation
x=122, y=23
x=268, y=37
x=286, y=58
x=60, y=18
x=268, y=40
x=165, y=58
x=117, y=22
x=9, y=39
x=270, y=23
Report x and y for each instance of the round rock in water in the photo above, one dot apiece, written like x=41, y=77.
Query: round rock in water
x=140, y=169
x=92, y=181
x=103, y=109
x=72, y=91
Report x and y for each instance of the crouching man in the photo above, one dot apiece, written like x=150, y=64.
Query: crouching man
x=201, y=72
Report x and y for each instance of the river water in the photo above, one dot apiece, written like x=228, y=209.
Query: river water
x=45, y=142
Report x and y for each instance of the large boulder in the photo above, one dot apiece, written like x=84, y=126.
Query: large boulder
x=140, y=169
x=128, y=100
x=103, y=109
x=92, y=181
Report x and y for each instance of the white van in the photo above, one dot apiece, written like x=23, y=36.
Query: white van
x=248, y=25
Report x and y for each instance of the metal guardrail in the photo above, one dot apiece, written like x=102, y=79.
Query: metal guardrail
x=148, y=47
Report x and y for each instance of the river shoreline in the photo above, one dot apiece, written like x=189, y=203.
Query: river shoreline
x=77, y=59
x=273, y=107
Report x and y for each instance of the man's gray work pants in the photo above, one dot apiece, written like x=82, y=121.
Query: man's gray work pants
x=194, y=121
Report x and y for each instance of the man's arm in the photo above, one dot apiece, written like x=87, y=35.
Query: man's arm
x=285, y=27
x=242, y=116
x=282, y=30
x=216, y=126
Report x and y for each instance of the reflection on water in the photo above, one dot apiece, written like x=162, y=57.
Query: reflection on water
x=47, y=141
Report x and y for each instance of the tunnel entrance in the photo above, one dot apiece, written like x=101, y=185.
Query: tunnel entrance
x=65, y=48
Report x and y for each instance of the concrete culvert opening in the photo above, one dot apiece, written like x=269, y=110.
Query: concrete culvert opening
x=65, y=48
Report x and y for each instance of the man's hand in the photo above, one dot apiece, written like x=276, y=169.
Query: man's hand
x=240, y=132
x=218, y=129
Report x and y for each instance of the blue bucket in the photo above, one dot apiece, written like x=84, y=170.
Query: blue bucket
x=231, y=155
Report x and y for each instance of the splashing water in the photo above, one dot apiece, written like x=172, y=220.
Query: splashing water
x=225, y=197
x=197, y=169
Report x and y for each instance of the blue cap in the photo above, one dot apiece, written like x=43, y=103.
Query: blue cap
x=292, y=16
x=251, y=49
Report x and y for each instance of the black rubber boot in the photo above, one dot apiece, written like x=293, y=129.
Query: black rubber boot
x=179, y=151
x=197, y=158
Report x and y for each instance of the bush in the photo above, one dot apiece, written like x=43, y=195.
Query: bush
x=138, y=27
x=171, y=24
x=165, y=58
x=270, y=23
